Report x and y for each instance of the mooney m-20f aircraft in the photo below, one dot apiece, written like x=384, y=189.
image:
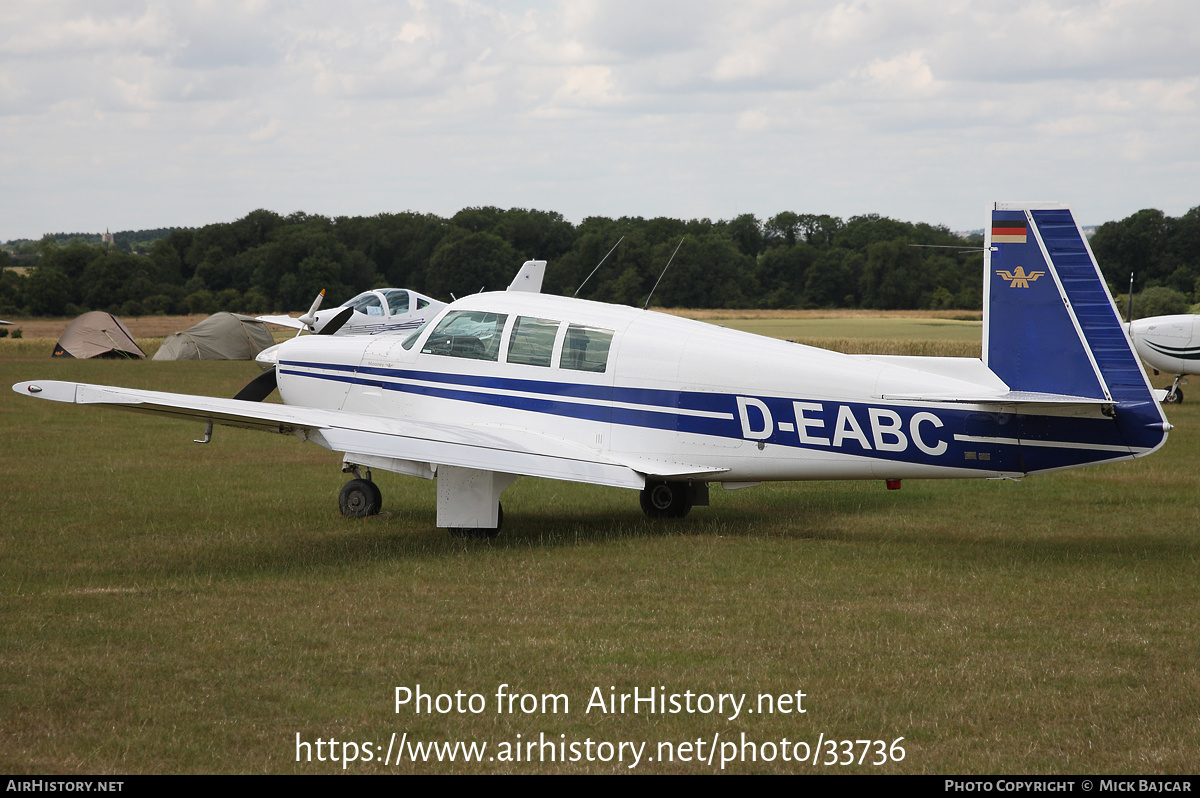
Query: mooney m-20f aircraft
x=517, y=383
x=1170, y=344
x=384, y=310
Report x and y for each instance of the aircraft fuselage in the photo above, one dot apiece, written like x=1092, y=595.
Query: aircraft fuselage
x=749, y=408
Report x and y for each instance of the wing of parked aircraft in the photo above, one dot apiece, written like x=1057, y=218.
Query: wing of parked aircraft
x=407, y=442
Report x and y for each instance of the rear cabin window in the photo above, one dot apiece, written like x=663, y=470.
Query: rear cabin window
x=585, y=348
x=472, y=334
x=532, y=341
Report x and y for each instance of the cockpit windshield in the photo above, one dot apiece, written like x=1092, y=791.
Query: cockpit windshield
x=367, y=303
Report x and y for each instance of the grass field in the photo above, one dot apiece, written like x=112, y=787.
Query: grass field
x=171, y=607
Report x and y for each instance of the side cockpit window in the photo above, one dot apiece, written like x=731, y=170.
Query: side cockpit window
x=412, y=339
x=471, y=334
x=397, y=302
x=532, y=341
x=585, y=348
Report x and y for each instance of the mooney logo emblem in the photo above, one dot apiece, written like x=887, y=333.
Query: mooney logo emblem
x=1019, y=279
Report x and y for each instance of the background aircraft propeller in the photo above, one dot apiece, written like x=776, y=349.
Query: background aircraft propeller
x=310, y=318
x=335, y=324
x=261, y=386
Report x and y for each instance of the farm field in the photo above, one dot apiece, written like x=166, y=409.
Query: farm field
x=170, y=607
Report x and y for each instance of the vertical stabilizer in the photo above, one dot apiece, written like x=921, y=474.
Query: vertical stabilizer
x=530, y=277
x=1050, y=325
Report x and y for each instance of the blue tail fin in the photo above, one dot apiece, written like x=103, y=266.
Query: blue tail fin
x=1050, y=325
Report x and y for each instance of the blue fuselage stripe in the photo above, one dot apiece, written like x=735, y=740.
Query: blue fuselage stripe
x=893, y=432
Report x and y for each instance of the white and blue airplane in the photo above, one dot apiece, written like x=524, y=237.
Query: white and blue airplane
x=1170, y=344
x=518, y=383
x=380, y=311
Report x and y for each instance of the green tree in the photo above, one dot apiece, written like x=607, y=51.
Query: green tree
x=1136, y=245
x=783, y=273
x=47, y=291
x=747, y=234
x=465, y=263
x=708, y=272
x=1159, y=301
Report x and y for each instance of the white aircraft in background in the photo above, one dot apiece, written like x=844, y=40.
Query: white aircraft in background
x=518, y=383
x=383, y=310
x=1170, y=344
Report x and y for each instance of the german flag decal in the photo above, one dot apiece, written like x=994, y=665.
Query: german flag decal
x=1009, y=231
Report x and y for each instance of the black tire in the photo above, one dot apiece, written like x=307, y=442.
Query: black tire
x=360, y=498
x=480, y=533
x=666, y=499
x=1175, y=398
x=378, y=497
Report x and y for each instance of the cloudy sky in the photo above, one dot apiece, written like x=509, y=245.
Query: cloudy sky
x=127, y=114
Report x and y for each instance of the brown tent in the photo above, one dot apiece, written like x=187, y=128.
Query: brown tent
x=222, y=336
x=97, y=334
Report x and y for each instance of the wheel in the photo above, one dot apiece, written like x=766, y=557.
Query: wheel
x=377, y=495
x=480, y=533
x=666, y=499
x=1175, y=397
x=360, y=498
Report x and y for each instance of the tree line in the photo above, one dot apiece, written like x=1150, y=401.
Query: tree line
x=268, y=262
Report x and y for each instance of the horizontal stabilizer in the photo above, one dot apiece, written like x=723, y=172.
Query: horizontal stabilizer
x=1005, y=398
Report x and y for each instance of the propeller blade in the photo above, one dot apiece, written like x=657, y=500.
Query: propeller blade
x=310, y=318
x=335, y=324
x=258, y=388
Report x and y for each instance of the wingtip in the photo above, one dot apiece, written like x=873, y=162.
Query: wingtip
x=54, y=390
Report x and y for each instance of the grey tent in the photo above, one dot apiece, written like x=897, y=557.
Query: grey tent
x=97, y=334
x=222, y=336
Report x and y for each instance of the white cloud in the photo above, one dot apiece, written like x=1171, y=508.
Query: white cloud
x=205, y=110
x=753, y=121
x=901, y=76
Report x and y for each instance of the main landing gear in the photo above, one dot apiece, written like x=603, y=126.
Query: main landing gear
x=360, y=497
x=673, y=499
x=468, y=499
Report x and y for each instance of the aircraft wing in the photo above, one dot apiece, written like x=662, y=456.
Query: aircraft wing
x=487, y=448
x=283, y=321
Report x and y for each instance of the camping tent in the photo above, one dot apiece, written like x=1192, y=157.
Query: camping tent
x=97, y=334
x=222, y=336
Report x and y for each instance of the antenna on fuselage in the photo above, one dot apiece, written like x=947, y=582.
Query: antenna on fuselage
x=598, y=265
x=1129, y=305
x=664, y=271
